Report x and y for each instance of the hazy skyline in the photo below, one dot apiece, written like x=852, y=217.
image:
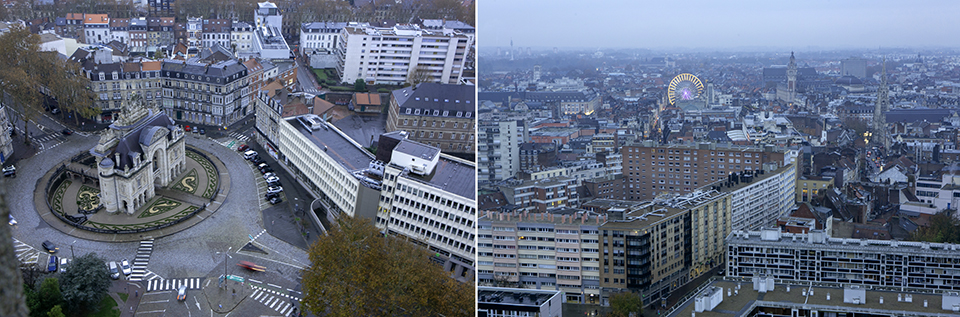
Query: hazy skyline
x=718, y=24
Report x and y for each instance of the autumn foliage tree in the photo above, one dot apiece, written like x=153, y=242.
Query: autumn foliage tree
x=943, y=228
x=356, y=271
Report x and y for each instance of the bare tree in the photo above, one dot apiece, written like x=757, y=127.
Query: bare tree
x=419, y=74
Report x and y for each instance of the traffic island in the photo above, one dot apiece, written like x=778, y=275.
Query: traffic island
x=226, y=296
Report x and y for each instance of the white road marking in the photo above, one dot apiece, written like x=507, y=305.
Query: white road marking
x=277, y=286
x=255, y=281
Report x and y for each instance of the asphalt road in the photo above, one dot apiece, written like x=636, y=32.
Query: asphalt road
x=187, y=254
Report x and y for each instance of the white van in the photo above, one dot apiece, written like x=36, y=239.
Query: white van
x=249, y=154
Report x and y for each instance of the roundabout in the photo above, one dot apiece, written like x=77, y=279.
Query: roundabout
x=71, y=198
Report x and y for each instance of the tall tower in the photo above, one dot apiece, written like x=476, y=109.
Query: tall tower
x=536, y=73
x=883, y=104
x=511, y=49
x=792, y=78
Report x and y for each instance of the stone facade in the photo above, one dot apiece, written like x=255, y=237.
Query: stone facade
x=142, y=148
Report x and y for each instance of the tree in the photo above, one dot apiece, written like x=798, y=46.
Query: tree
x=419, y=74
x=21, y=73
x=944, y=228
x=359, y=85
x=357, y=271
x=626, y=304
x=56, y=311
x=70, y=87
x=85, y=282
x=46, y=298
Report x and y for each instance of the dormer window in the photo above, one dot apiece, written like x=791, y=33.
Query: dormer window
x=468, y=114
x=436, y=112
x=409, y=110
x=102, y=76
x=446, y=113
x=459, y=114
x=417, y=112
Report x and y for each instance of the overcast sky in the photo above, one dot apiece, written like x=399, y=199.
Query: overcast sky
x=795, y=24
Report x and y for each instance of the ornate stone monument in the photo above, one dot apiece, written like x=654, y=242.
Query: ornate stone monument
x=141, y=149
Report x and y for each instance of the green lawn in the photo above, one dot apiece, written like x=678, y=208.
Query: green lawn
x=108, y=308
x=321, y=74
x=123, y=296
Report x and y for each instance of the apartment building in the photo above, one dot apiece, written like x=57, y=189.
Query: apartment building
x=936, y=192
x=652, y=169
x=440, y=115
x=119, y=30
x=320, y=37
x=215, y=93
x=430, y=199
x=814, y=257
x=194, y=29
x=658, y=247
x=541, y=195
x=554, y=250
x=96, y=28
x=498, y=151
x=759, y=197
x=389, y=55
x=267, y=38
x=115, y=83
x=533, y=156
x=216, y=31
x=138, y=35
x=241, y=36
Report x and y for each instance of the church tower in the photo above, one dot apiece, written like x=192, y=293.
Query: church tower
x=792, y=78
x=883, y=104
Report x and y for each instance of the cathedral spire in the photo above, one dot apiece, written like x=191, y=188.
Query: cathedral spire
x=882, y=106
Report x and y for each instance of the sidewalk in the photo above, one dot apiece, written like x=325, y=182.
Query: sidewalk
x=133, y=291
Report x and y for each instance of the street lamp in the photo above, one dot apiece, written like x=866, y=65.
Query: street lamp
x=225, y=255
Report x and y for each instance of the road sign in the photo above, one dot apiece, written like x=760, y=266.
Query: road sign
x=235, y=278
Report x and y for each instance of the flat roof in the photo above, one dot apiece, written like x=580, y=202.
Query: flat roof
x=514, y=296
x=747, y=298
x=452, y=175
x=338, y=147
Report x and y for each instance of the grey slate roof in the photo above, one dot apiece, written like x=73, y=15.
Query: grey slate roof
x=434, y=96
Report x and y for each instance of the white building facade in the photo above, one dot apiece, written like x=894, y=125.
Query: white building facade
x=390, y=55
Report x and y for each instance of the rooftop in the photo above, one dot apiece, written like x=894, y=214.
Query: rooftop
x=514, y=296
x=434, y=96
x=452, y=175
x=336, y=145
x=747, y=299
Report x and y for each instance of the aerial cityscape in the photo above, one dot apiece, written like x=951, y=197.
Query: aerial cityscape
x=171, y=158
x=661, y=160
x=479, y=158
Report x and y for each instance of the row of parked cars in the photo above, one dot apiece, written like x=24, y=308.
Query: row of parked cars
x=273, y=181
x=115, y=268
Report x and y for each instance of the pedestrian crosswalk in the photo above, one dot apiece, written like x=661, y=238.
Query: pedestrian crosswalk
x=27, y=254
x=173, y=284
x=238, y=136
x=275, y=300
x=48, y=137
x=140, y=262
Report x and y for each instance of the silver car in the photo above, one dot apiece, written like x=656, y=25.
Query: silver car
x=125, y=267
x=114, y=270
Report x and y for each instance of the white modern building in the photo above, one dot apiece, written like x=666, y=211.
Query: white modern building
x=936, y=192
x=267, y=39
x=389, y=55
x=498, y=150
x=96, y=28
x=760, y=197
x=429, y=198
x=516, y=302
x=320, y=37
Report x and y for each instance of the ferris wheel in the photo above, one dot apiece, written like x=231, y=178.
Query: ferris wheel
x=685, y=86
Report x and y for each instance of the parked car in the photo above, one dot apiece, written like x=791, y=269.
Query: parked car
x=10, y=171
x=63, y=264
x=249, y=154
x=269, y=175
x=267, y=169
x=256, y=160
x=66, y=132
x=114, y=269
x=186, y=128
x=125, y=267
x=50, y=247
x=274, y=189
x=275, y=200
x=55, y=110
x=52, y=264
x=182, y=292
x=203, y=131
x=269, y=196
x=243, y=147
x=12, y=222
x=261, y=166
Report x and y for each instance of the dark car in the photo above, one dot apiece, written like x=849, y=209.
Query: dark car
x=203, y=131
x=66, y=132
x=50, y=247
x=256, y=160
x=52, y=264
x=266, y=169
x=243, y=147
x=10, y=171
x=275, y=200
x=269, y=196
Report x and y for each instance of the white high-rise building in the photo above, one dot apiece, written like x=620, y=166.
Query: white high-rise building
x=390, y=55
x=320, y=36
x=498, y=150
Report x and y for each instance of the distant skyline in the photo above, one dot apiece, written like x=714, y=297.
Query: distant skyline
x=796, y=25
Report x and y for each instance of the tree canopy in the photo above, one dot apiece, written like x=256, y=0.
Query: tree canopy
x=624, y=304
x=356, y=271
x=943, y=228
x=85, y=282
